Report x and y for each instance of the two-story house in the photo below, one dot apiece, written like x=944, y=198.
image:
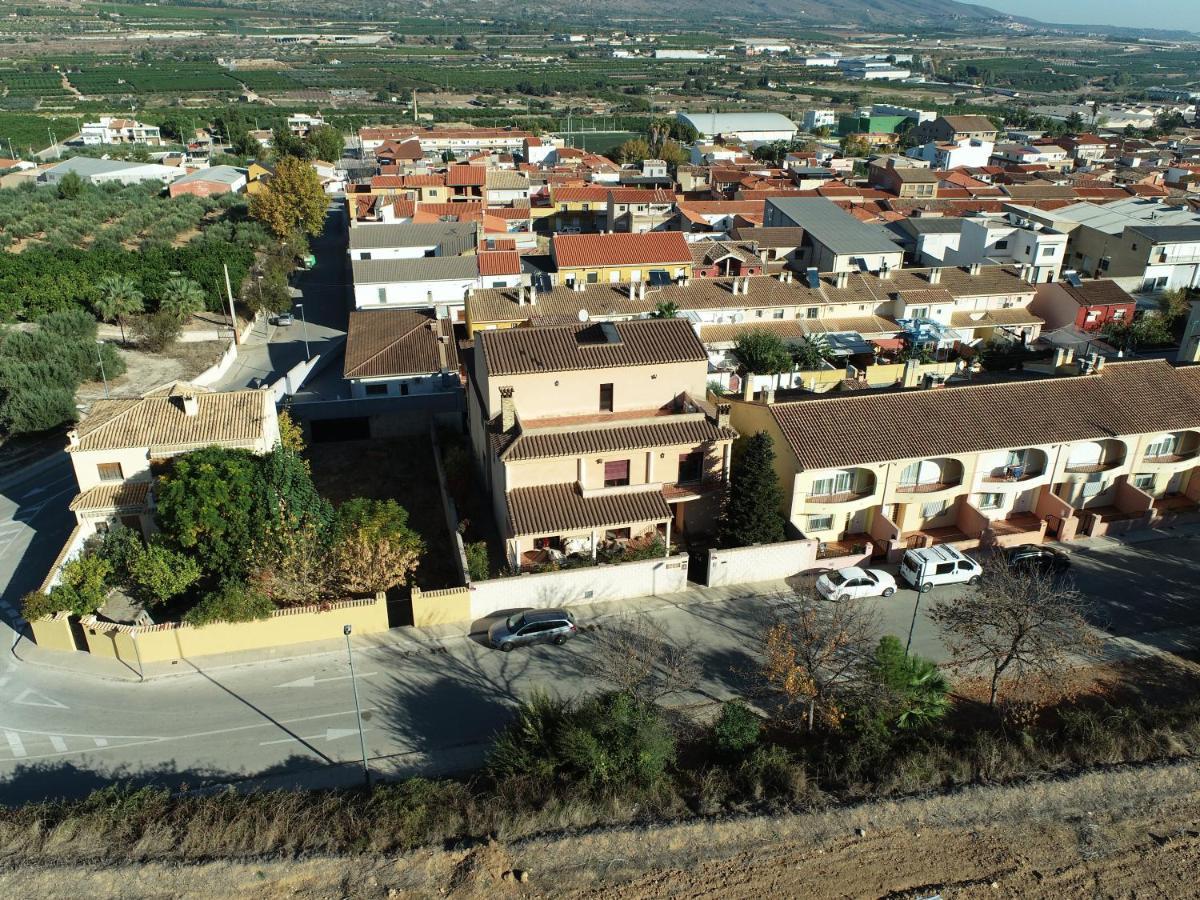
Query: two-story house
x=114, y=448
x=620, y=258
x=832, y=239
x=1008, y=462
x=595, y=433
x=636, y=211
x=951, y=129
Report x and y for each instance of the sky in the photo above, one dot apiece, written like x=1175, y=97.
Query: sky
x=1167, y=14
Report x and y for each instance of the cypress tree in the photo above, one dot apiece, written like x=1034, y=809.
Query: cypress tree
x=752, y=510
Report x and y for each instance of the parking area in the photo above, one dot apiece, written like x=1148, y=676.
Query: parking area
x=1148, y=592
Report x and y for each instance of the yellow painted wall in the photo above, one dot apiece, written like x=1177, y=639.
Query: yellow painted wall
x=177, y=641
x=624, y=274
x=440, y=607
x=53, y=633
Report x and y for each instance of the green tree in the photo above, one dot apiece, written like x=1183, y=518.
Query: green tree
x=737, y=728
x=181, y=298
x=855, y=145
x=231, y=602
x=752, y=509
x=207, y=505
x=912, y=690
x=673, y=154
x=326, y=142
x=478, y=568
x=286, y=144
x=633, y=150
x=665, y=310
x=374, y=547
x=158, y=574
x=157, y=330
x=808, y=353
x=293, y=201
x=70, y=186
x=117, y=299
x=761, y=352
x=84, y=585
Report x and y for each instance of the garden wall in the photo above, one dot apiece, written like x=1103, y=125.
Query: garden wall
x=593, y=584
x=135, y=644
x=446, y=607
x=773, y=562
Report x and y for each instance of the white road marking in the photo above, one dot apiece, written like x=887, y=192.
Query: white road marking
x=58, y=743
x=15, y=744
x=30, y=697
x=331, y=734
x=310, y=680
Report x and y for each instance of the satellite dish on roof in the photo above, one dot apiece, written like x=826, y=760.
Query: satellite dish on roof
x=583, y=315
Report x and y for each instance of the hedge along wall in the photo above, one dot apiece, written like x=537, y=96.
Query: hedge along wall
x=134, y=644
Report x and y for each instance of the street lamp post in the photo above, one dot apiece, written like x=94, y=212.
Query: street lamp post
x=100, y=359
x=304, y=319
x=362, y=742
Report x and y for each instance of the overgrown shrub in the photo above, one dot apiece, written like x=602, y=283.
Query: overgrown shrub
x=477, y=560
x=84, y=585
x=231, y=602
x=157, y=331
x=37, y=605
x=736, y=729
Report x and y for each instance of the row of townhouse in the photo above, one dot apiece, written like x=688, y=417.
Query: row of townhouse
x=991, y=463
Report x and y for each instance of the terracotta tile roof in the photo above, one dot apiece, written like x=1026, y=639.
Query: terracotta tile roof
x=969, y=123
x=466, y=176
x=764, y=292
x=410, y=150
x=499, y=262
x=640, y=195
x=995, y=318
x=234, y=418
x=671, y=431
x=1126, y=398
x=705, y=253
x=556, y=508
x=592, y=250
x=382, y=342
x=116, y=495
x=645, y=342
x=1097, y=292
x=577, y=194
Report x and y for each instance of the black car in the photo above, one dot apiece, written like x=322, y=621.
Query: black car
x=1038, y=557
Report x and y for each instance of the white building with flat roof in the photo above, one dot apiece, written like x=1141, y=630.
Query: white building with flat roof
x=749, y=128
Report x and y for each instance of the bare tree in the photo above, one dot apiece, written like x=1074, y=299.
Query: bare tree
x=636, y=655
x=1018, y=624
x=817, y=654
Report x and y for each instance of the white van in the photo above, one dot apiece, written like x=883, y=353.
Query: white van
x=942, y=564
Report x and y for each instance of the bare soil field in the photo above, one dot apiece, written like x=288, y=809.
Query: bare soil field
x=1130, y=832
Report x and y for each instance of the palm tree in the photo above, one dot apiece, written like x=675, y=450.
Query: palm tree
x=181, y=298
x=118, y=298
x=665, y=310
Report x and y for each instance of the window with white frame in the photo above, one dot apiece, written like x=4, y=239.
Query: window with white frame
x=924, y=472
x=837, y=483
x=1144, y=482
x=936, y=508
x=820, y=523
x=1162, y=446
x=990, y=501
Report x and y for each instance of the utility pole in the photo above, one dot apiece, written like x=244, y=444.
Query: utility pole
x=229, y=294
x=304, y=319
x=362, y=741
x=100, y=360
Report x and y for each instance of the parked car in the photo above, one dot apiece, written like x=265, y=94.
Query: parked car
x=284, y=319
x=534, y=626
x=1038, y=557
x=926, y=567
x=854, y=583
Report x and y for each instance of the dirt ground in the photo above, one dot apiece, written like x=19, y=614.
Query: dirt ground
x=145, y=371
x=1131, y=833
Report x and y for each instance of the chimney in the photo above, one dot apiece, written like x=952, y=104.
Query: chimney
x=191, y=405
x=935, y=276
x=641, y=290
x=839, y=280
x=508, y=410
x=521, y=295
x=912, y=374
x=746, y=285
x=770, y=395
x=723, y=410
x=73, y=437
x=533, y=293
x=885, y=272
x=1100, y=360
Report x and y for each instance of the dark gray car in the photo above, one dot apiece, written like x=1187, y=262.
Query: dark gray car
x=534, y=626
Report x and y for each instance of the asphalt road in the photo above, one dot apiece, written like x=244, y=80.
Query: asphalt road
x=269, y=350
x=429, y=705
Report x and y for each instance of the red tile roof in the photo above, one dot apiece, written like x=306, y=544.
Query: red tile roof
x=655, y=247
x=466, y=176
x=499, y=262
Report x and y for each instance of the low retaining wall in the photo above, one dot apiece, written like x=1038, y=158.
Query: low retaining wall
x=54, y=632
x=773, y=562
x=621, y=581
x=217, y=370
x=445, y=607
x=137, y=644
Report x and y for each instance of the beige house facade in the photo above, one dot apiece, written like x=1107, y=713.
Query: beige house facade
x=990, y=464
x=596, y=434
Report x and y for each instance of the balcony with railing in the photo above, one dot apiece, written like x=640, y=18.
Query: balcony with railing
x=1016, y=467
x=1090, y=457
x=930, y=476
x=1177, y=447
x=846, y=487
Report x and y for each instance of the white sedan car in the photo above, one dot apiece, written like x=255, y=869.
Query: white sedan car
x=854, y=583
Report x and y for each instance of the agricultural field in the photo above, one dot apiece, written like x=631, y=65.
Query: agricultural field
x=25, y=132
x=156, y=78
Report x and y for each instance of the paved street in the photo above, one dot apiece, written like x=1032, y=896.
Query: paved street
x=431, y=701
x=269, y=350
